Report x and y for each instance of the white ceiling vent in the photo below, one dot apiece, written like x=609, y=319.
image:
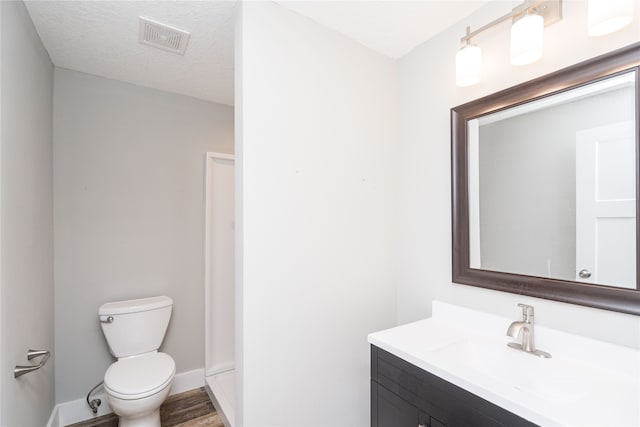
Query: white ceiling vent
x=162, y=36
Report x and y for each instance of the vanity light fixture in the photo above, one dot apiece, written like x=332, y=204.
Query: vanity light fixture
x=529, y=20
x=608, y=16
x=468, y=64
x=527, y=35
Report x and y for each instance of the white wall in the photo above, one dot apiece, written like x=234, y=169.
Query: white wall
x=427, y=93
x=26, y=242
x=315, y=158
x=129, y=222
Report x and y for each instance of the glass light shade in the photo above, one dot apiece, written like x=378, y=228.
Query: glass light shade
x=527, y=35
x=468, y=65
x=608, y=16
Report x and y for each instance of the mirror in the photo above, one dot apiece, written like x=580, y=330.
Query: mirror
x=552, y=186
x=545, y=186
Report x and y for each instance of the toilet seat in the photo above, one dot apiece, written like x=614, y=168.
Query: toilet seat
x=138, y=377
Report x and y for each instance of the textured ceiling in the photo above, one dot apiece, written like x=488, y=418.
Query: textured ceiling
x=390, y=27
x=101, y=38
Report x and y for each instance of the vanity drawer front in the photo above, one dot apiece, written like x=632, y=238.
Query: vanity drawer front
x=442, y=400
x=389, y=410
x=392, y=411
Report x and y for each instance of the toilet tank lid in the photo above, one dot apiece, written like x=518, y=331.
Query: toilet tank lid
x=134, y=305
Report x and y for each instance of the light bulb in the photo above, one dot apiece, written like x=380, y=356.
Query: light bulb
x=527, y=35
x=608, y=16
x=468, y=65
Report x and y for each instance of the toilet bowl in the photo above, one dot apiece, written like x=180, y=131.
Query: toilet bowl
x=140, y=380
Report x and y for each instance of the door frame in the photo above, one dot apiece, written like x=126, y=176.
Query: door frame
x=2, y=284
x=210, y=158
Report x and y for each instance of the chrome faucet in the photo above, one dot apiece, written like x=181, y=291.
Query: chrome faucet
x=524, y=329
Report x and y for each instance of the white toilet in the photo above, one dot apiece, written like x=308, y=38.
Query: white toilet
x=140, y=380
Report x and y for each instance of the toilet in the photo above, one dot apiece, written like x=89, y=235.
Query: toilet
x=140, y=380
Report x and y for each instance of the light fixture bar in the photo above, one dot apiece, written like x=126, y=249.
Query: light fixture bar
x=552, y=12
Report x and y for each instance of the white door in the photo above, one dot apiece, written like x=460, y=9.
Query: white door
x=219, y=264
x=606, y=205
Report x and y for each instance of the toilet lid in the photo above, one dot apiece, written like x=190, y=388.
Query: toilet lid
x=138, y=375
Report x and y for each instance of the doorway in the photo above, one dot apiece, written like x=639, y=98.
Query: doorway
x=220, y=283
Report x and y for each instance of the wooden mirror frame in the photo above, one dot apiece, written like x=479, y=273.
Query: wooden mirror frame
x=604, y=297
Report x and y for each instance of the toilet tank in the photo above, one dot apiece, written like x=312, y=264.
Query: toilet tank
x=135, y=326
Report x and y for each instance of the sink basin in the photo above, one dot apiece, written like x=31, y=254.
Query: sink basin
x=554, y=380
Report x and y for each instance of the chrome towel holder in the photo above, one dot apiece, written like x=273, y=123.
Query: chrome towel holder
x=20, y=370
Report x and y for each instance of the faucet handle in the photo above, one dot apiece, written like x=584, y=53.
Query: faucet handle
x=527, y=311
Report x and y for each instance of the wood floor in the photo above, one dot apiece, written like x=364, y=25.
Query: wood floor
x=189, y=409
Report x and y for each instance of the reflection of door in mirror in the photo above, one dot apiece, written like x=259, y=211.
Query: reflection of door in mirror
x=605, y=205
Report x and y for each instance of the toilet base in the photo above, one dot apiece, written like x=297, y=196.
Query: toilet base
x=148, y=420
x=144, y=412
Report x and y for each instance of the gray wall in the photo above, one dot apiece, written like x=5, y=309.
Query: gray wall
x=27, y=217
x=528, y=180
x=129, y=199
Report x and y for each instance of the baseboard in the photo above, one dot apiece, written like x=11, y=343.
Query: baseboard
x=77, y=410
x=186, y=381
x=54, y=419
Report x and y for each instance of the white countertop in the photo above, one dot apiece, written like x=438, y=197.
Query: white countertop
x=585, y=383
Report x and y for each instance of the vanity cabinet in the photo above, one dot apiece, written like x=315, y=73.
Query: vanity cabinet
x=403, y=395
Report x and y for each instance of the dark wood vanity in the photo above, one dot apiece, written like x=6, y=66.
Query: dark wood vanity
x=403, y=395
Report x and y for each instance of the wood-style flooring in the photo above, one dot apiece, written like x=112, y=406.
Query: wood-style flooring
x=189, y=409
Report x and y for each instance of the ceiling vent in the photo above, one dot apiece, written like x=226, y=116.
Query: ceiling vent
x=162, y=36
